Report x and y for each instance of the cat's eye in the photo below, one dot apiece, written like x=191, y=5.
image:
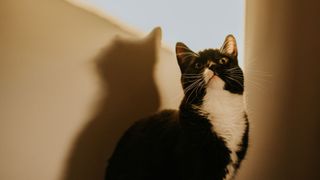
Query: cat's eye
x=223, y=61
x=198, y=65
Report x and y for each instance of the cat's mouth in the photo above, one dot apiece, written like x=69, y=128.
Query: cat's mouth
x=214, y=76
x=211, y=78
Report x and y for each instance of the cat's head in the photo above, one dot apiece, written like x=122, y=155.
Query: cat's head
x=211, y=68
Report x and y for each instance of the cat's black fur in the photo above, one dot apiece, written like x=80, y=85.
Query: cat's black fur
x=180, y=145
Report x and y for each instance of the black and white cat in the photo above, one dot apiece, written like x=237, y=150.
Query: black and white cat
x=206, y=139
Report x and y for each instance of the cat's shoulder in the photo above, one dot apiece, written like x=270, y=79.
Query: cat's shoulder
x=164, y=116
x=153, y=125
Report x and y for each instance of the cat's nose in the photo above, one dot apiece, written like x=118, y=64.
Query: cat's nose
x=212, y=67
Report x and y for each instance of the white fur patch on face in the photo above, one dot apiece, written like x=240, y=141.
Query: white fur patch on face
x=207, y=74
x=226, y=114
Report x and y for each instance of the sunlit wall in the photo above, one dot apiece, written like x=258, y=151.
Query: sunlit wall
x=200, y=24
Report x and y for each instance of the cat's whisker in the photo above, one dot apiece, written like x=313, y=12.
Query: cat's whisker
x=196, y=83
x=190, y=95
x=192, y=76
x=200, y=86
x=235, y=80
x=254, y=84
x=257, y=72
x=233, y=69
x=186, y=74
x=192, y=85
x=236, y=74
x=190, y=73
x=260, y=79
x=195, y=89
x=240, y=78
x=188, y=82
x=191, y=79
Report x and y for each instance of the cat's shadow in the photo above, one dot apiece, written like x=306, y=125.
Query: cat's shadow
x=126, y=70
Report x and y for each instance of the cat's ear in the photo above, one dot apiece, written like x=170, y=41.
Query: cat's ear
x=230, y=46
x=184, y=53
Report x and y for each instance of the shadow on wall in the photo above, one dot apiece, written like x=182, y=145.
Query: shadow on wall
x=126, y=70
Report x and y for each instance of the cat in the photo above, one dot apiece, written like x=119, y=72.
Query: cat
x=206, y=139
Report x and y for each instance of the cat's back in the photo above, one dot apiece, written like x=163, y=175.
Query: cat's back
x=153, y=127
x=146, y=146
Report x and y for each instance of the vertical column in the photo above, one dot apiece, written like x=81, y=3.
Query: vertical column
x=283, y=89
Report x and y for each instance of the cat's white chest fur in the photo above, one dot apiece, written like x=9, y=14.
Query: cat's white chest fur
x=226, y=114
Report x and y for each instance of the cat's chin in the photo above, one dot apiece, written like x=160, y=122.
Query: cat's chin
x=215, y=82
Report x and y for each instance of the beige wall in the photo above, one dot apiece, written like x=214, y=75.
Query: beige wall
x=64, y=75
x=63, y=104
